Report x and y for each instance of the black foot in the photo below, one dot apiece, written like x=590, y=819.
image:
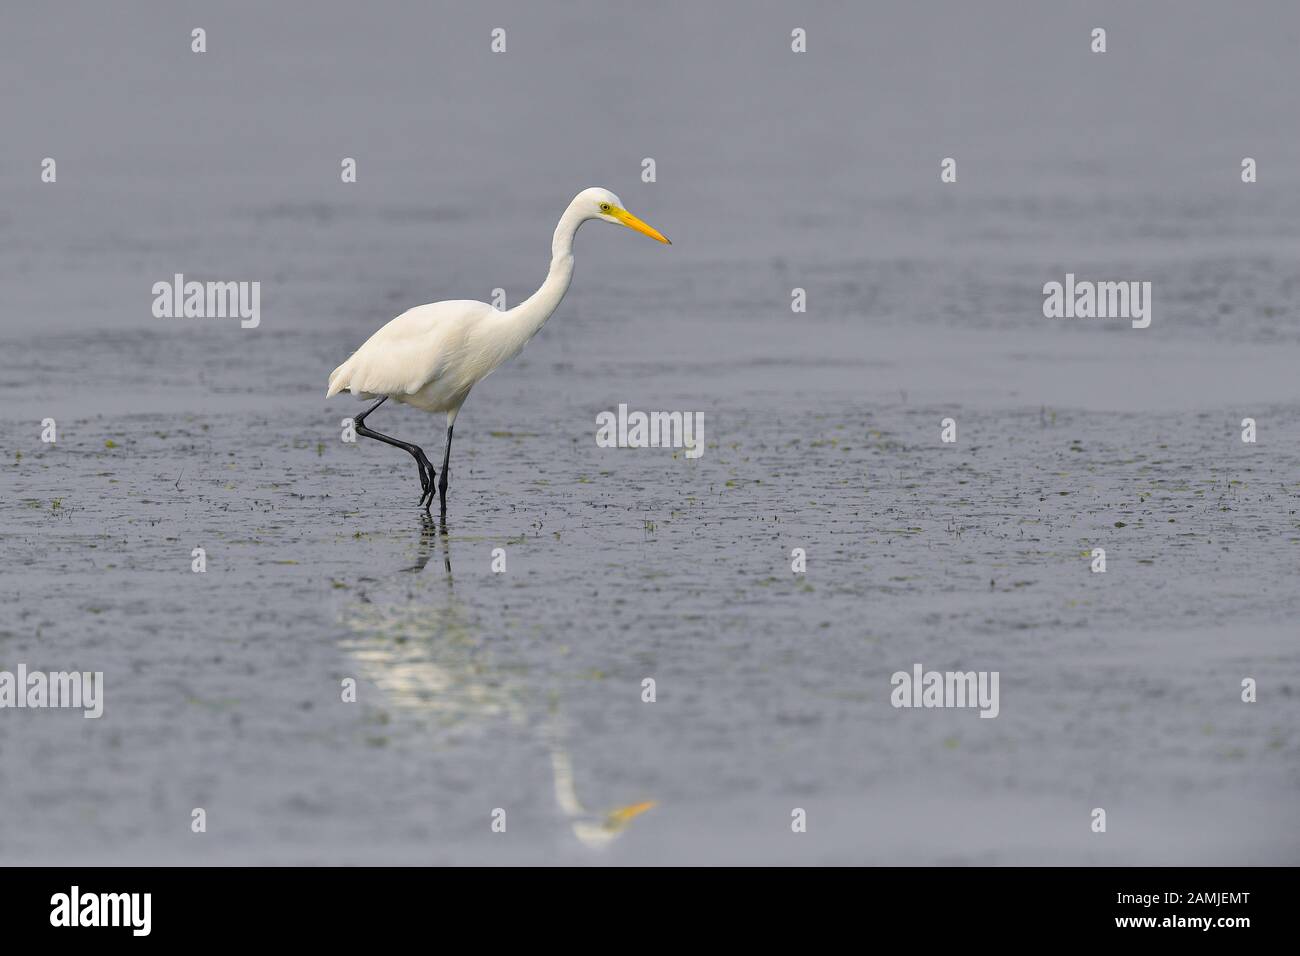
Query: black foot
x=426, y=499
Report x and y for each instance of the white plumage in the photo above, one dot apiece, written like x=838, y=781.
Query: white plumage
x=431, y=356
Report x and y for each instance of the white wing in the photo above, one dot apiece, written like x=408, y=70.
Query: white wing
x=420, y=346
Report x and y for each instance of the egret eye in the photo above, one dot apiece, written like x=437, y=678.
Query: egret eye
x=604, y=207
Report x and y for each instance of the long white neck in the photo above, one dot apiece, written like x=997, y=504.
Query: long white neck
x=528, y=317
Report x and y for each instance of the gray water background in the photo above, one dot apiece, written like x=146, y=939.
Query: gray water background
x=775, y=170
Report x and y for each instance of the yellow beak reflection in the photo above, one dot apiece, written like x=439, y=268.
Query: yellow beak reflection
x=632, y=222
x=620, y=818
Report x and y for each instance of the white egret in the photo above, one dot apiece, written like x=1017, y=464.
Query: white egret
x=431, y=356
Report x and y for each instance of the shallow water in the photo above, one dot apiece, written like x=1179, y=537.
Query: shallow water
x=1118, y=690
x=522, y=690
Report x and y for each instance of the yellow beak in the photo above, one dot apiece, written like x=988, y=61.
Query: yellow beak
x=632, y=222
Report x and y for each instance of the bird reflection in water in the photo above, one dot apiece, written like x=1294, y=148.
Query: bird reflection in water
x=429, y=532
x=422, y=651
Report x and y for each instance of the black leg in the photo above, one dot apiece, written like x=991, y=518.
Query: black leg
x=442, y=482
x=427, y=474
x=361, y=419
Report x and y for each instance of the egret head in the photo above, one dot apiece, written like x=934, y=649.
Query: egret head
x=597, y=203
